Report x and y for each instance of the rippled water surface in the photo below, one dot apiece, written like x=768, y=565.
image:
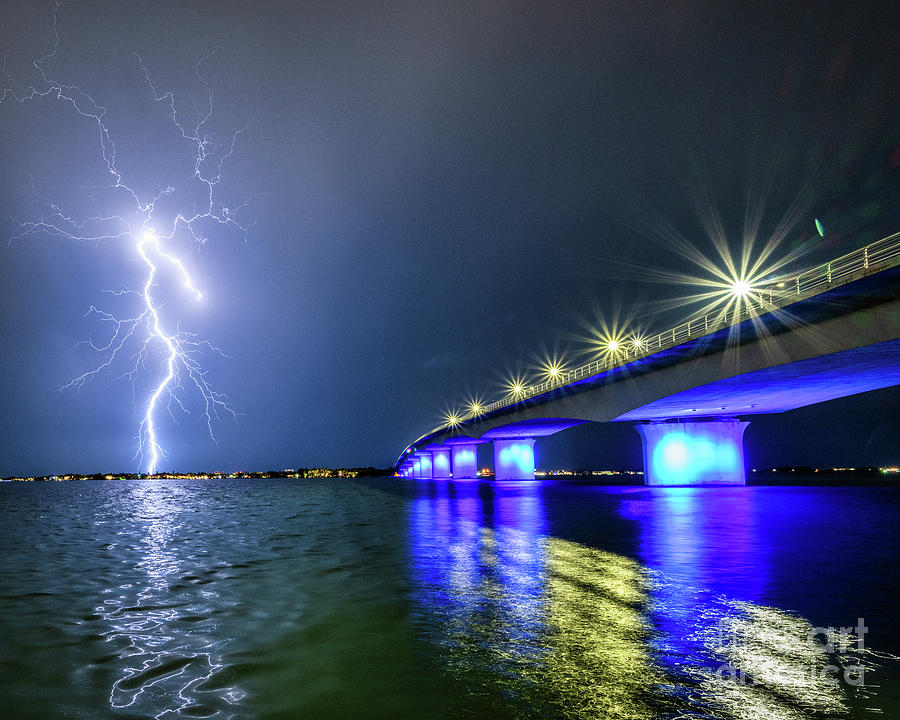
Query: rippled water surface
x=419, y=599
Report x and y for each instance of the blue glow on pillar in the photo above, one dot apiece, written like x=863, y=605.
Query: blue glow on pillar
x=514, y=459
x=417, y=469
x=465, y=462
x=701, y=453
x=680, y=459
x=424, y=458
x=440, y=462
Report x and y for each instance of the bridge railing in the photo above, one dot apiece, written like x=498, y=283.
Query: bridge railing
x=774, y=294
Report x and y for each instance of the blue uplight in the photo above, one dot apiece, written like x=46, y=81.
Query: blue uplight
x=679, y=459
x=518, y=456
x=424, y=459
x=465, y=462
x=694, y=453
x=514, y=459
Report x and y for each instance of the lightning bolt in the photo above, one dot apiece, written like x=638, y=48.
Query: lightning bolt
x=143, y=337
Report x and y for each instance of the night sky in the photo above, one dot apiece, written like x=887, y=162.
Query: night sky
x=436, y=194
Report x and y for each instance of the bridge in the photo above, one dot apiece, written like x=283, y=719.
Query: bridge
x=825, y=333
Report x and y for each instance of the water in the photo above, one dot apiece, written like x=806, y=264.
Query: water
x=394, y=599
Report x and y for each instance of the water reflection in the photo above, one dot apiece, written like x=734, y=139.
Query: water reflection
x=536, y=625
x=770, y=665
x=530, y=622
x=160, y=626
x=701, y=537
x=707, y=551
x=698, y=543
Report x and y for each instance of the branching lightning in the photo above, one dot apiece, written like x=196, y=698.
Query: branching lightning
x=143, y=340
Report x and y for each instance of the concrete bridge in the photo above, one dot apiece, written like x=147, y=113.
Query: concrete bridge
x=828, y=332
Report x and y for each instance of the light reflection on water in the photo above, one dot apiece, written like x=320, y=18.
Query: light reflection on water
x=165, y=635
x=400, y=599
x=557, y=626
x=738, y=658
x=572, y=631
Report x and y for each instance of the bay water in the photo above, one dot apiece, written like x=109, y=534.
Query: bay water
x=390, y=598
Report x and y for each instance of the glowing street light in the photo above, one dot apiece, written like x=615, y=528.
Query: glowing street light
x=609, y=344
x=551, y=369
x=452, y=419
x=514, y=386
x=741, y=288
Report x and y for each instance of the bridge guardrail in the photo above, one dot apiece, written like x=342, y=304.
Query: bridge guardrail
x=775, y=294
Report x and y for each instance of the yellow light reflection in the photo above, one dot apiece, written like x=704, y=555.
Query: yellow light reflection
x=598, y=664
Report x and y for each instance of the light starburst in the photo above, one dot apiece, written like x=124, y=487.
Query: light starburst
x=452, y=418
x=607, y=340
x=551, y=367
x=514, y=386
x=474, y=406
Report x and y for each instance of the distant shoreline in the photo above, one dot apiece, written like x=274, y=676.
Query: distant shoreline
x=800, y=476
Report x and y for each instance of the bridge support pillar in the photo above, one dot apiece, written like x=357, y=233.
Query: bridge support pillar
x=424, y=458
x=440, y=462
x=417, y=468
x=694, y=453
x=514, y=459
x=464, y=461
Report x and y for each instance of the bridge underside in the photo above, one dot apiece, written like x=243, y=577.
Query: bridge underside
x=782, y=388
